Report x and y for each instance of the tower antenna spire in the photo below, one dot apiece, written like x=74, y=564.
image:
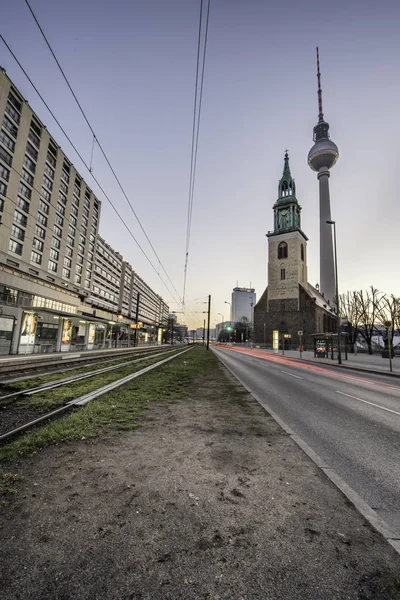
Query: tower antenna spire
x=321, y=114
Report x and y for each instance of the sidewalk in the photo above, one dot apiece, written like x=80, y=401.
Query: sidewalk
x=208, y=499
x=360, y=361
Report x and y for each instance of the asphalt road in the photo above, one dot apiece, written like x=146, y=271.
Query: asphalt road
x=350, y=419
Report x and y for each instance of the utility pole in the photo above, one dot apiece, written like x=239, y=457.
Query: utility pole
x=208, y=322
x=137, y=319
x=204, y=332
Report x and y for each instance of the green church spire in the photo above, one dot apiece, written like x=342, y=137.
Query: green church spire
x=287, y=186
x=286, y=208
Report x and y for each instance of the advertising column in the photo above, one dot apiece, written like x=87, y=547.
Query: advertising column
x=66, y=335
x=28, y=331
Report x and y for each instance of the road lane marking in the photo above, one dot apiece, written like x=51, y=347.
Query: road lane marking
x=291, y=374
x=316, y=368
x=371, y=403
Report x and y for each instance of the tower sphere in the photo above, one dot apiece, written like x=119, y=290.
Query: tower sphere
x=324, y=153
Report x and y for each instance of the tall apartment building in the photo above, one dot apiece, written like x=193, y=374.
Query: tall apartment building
x=62, y=286
x=49, y=217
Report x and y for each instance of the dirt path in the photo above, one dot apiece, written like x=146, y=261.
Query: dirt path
x=209, y=499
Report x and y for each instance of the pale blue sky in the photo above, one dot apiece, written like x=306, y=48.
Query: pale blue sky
x=132, y=65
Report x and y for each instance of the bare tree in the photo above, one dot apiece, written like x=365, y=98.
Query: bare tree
x=388, y=311
x=369, y=306
x=349, y=306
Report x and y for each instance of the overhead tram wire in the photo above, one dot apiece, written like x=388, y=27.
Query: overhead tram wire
x=192, y=151
x=195, y=137
x=99, y=145
x=88, y=168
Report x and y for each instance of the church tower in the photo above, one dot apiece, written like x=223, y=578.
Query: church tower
x=287, y=248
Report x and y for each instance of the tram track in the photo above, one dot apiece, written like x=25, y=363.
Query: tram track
x=8, y=398
x=82, y=400
x=14, y=369
x=37, y=371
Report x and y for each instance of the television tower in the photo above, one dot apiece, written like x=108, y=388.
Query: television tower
x=322, y=156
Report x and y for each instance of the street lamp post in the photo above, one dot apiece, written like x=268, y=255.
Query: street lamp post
x=337, y=293
x=251, y=321
x=222, y=320
x=230, y=320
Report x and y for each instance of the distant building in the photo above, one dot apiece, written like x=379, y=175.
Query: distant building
x=290, y=304
x=243, y=302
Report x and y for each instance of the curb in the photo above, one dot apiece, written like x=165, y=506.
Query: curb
x=360, y=505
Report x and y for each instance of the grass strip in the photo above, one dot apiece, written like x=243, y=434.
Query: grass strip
x=120, y=409
x=53, y=398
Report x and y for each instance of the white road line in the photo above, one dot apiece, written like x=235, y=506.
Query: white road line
x=371, y=403
x=291, y=374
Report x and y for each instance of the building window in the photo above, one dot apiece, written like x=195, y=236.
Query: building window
x=34, y=138
x=57, y=231
x=302, y=251
x=42, y=219
x=62, y=198
x=44, y=206
x=3, y=188
x=67, y=262
x=38, y=244
x=11, y=128
x=10, y=110
x=55, y=242
x=29, y=163
x=27, y=177
x=5, y=173
x=20, y=218
x=52, y=266
x=59, y=220
x=63, y=187
x=33, y=153
x=283, y=274
x=68, y=251
x=36, y=128
x=40, y=232
x=24, y=190
x=47, y=182
x=78, y=278
x=15, y=247
x=18, y=232
x=53, y=254
x=22, y=204
x=50, y=159
x=36, y=257
x=4, y=155
x=70, y=240
x=49, y=171
x=66, y=273
x=283, y=250
x=7, y=141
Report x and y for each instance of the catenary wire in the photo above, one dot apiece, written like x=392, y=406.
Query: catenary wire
x=88, y=168
x=195, y=138
x=99, y=144
x=192, y=151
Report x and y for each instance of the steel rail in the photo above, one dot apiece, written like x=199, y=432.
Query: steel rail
x=88, y=397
